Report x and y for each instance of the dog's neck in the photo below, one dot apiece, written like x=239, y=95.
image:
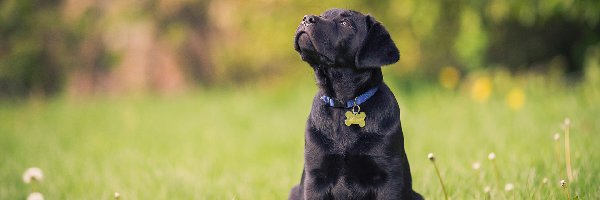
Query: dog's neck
x=346, y=83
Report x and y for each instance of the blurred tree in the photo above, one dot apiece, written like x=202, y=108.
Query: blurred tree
x=539, y=35
x=93, y=61
x=125, y=46
x=185, y=25
x=33, y=49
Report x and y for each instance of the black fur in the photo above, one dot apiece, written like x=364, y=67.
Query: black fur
x=346, y=50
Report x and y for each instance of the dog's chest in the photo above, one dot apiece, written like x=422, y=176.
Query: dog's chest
x=329, y=132
x=350, y=153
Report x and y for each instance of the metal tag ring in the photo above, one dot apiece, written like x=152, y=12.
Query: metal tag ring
x=355, y=109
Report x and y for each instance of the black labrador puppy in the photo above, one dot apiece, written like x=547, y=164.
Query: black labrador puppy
x=354, y=147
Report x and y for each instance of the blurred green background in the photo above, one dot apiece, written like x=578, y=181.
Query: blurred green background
x=119, y=47
x=185, y=99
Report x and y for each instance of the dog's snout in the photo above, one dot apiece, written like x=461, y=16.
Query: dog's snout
x=309, y=19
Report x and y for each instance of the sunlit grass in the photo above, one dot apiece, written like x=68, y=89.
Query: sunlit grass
x=247, y=143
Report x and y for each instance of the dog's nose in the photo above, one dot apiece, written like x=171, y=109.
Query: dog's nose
x=309, y=19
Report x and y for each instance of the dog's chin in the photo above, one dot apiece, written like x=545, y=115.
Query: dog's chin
x=303, y=43
x=308, y=51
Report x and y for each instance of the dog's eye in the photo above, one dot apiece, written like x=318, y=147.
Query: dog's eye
x=345, y=23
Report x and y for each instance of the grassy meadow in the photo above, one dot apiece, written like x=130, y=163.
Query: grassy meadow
x=247, y=142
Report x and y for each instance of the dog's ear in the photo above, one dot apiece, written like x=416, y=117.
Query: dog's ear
x=378, y=48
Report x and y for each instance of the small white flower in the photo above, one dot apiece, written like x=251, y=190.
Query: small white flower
x=509, y=187
x=556, y=136
x=563, y=183
x=487, y=189
x=545, y=180
x=430, y=156
x=35, y=196
x=476, y=165
x=33, y=173
x=492, y=156
x=565, y=125
x=567, y=121
x=117, y=195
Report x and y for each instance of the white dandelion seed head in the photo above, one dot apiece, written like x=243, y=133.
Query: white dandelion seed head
x=33, y=173
x=492, y=156
x=117, y=195
x=563, y=183
x=35, y=196
x=556, y=136
x=509, y=187
x=487, y=189
x=567, y=121
x=545, y=180
x=476, y=165
x=431, y=157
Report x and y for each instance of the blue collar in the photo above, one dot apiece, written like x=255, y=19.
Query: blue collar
x=337, y=103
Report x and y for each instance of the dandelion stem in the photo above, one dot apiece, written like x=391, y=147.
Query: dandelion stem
x=557, y=149
x=492, y=158
x=34, y=183
x=440, y=178
x=432, y=159
x=565, y=187
x=477, y=173
x=568, y=151
x=497, y=172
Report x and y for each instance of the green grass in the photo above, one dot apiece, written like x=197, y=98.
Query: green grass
x=247, y=143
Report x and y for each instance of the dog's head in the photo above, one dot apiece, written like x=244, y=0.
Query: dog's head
x=344, y=38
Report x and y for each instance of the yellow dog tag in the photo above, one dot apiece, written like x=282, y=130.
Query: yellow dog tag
x=355, y=118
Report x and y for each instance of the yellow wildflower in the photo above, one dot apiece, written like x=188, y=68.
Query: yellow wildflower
x=515, y=98
x=449, y=77
x=481, y=89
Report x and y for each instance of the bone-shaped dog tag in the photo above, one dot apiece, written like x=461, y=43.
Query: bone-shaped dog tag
x=355, y=118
